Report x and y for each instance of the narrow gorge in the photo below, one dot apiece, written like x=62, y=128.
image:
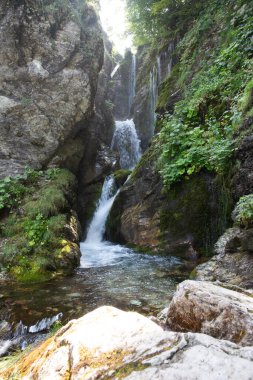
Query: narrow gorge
x=126, y=190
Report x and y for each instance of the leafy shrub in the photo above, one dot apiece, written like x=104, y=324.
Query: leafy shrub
x=243, y=213
x=189, y=146
x=35, y=230
x=11, y=192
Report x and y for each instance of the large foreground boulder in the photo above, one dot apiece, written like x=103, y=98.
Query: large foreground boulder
x=214, y=310
x=111, y=344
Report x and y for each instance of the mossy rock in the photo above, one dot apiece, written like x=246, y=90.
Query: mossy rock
x=196, y=211
x=120, y=176
x=246, y=102
x=40, y=237
x=88, y=202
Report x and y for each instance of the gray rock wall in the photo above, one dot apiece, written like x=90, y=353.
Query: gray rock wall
x=50, y=57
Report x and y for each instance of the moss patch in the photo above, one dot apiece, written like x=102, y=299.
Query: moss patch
x=195, y=211
x=120, y=176
x=36, y=231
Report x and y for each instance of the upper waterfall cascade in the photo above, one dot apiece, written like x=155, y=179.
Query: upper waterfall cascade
x=127, y=143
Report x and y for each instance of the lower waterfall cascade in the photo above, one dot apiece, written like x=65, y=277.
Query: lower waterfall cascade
x=94, y=250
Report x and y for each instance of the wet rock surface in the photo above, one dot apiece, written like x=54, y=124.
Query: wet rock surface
x=222, y=313
x=109, y=343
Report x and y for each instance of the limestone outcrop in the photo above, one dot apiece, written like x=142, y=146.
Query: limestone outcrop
x=109, y=343
x=220, y=312
x=50, y=57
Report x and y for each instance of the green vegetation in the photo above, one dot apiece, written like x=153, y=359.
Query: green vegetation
x=11, y=192
x=214, y=78
x=154, y=20
x=34, y=232
x=243, y=214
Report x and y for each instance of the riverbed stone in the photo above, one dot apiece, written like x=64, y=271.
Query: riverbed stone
x=214, y=310
x=113, y=344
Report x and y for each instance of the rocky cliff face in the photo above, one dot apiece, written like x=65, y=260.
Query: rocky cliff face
x=122, y=88
x=51, y=54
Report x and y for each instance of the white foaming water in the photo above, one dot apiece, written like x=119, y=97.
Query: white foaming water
x=95, y=251
x=97, y=226
x=126, y=142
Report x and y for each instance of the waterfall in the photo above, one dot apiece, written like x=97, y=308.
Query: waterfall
x=97, y=226
x=132, y=83
x=153, y=97
x=170, y=51
x=159, y=69
x=126, y=142
x=115, y=70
